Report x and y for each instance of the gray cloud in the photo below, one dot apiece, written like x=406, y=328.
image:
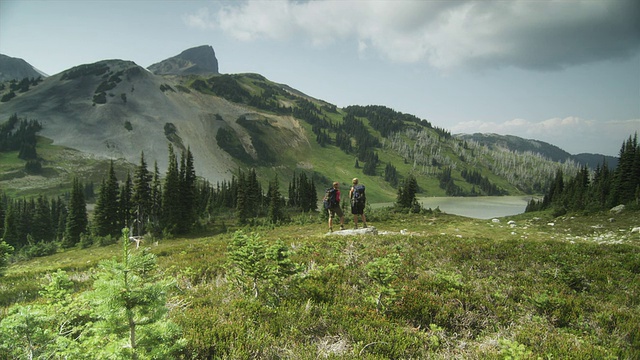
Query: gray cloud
x=540, y=35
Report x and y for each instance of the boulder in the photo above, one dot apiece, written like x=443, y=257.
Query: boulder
x=371, y=230
x=617, y=209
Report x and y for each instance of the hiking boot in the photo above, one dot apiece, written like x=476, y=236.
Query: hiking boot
x=330, y=229
x=364, y=226
x=341, y=227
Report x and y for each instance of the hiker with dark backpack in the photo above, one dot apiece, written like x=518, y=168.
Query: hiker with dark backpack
x=358, y=201
x=331, y=202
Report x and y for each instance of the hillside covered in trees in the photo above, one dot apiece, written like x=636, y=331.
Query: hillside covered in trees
x=596, y=190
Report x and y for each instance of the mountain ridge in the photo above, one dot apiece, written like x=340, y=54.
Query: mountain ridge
x=116, y=109
x=553, y=152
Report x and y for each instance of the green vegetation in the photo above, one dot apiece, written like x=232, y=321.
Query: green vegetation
x=15, y=87
x=229, y=142
x=605, y=189
x=124, y=315
x=447, y=287
x=96, y=69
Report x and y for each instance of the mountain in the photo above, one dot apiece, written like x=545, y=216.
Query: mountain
x=200, y=60
x=552, y=152
x=115, y=109
x=16, y=69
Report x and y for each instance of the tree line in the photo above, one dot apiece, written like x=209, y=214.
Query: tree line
x=596, y=190
x=173, y=205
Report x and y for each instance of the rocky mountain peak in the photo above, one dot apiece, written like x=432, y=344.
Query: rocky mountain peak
x=198, y=60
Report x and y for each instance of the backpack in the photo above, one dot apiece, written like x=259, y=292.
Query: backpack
x=329, y=200
x=358, y=194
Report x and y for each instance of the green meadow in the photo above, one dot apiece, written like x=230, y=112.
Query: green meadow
x=428, y=286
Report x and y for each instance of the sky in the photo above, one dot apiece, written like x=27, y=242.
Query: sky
x=566, y=72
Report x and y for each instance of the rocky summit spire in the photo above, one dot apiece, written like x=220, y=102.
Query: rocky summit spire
x=197, y=60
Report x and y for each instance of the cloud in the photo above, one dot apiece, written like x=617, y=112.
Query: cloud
x=542, y=35
x=572, y=134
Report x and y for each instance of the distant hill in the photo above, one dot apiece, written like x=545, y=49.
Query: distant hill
x=16, y=69
x=552, y=152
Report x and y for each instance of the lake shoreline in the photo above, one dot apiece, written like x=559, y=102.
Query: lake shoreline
x=477, y=207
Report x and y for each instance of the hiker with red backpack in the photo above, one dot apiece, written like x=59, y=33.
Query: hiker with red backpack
x=332, y=204
x=358, y=201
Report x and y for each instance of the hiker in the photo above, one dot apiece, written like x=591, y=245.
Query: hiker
x=358, y=200
x=332, y=204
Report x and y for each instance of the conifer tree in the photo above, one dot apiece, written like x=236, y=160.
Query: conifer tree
x=156, y=200
x=5, y=252
x=10, y=234
x=406, y=199
x=105, y=215
x=313, y=196
x=77, y=221
x=171, y=195
x=627, y=175
x=253, y=193
x=129, y=301
x=125, y=207
x=188, y=190
x=3, y=206
x=242, y=204
x=141, y=196
x=42, y=228
x=275, y=212
x=62, y=220
x=391, y=174
x=292, y=192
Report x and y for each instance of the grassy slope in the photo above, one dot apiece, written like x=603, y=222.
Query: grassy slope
x=59, y=166
x=466, y=289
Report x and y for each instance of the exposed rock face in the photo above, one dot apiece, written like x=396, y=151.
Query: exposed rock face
x=16, y=69
x=199, y=60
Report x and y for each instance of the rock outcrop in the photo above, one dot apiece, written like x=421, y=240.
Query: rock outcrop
x=371, y=230
x=199, y=60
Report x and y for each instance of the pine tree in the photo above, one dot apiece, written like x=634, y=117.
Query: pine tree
x=391, y=174
x=63, y=212
x=141, y=197
x=242, y=204
x=627, y=175
x=105, y=215
x=275, y=202
x=129, y=301
x=406, y=199
x=156, y=201
x=171, y=195
x=10, y=234
x=125, y=207
x=3, y=206
x=24, y=216
x=5, y=252
x=42, y=228
x=187, y=191
x=77, y=217
x=253, y=193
